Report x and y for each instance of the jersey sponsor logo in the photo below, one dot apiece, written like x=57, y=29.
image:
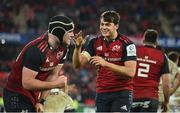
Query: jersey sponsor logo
x=99, y=48
x=124, y=107
x=112, y=59
x=131, y=50
x=46, y=69
x=116, y=48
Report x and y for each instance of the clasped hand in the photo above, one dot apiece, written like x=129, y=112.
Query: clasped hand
x=98, y=61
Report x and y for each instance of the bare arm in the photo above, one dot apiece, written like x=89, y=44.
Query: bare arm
x=176, y=84
x=78, y=58
x=29, y=82
x=128, y=70
x=53, y=76
x=166, y=87
x=166, y=91
x=44, y=94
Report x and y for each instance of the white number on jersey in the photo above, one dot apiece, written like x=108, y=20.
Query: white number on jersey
x=143, y=70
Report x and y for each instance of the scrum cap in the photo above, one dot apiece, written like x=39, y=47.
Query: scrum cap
x=59, y=25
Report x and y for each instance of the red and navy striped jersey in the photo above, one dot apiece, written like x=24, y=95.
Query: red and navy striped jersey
x=36, y=56
x=151, y=64
x=117, y=51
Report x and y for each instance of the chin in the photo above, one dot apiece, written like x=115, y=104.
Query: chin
x=105, y=35
x=67, y=44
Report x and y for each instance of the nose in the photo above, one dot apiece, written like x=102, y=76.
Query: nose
x=72, y=34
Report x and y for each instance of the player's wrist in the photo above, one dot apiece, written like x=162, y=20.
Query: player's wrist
x=78, y=47
x=42, y=101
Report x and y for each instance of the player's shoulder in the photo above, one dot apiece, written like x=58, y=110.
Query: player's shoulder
x=37, y=45
x=124, y=38
x=40, y=43
x=93, y=39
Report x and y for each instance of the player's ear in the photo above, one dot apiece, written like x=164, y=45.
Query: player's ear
x=117, y=26
x=156, y=42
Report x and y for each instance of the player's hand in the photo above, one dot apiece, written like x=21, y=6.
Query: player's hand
x=164, y=107
x=39, y=107
x=98, y=61
x=61, y=81
x=79, y=40
x=172, y=90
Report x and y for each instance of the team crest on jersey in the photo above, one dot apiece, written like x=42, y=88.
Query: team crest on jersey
x=116, y=48
x=99, y=48
x=59, y=55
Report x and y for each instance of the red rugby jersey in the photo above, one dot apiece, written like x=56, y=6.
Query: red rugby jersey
x=116, y=51
x=36, y=56
x=151, y=64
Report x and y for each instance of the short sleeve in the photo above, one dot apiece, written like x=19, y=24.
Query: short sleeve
x=165, y=68
x=32, y=59
x=129, y=52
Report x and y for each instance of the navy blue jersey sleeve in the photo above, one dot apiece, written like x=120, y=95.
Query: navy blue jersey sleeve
x=165, y=68
x=129, y=52
x=32, y=59
x=89, y=47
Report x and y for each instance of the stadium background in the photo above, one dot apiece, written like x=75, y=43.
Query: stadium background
x=23, y=20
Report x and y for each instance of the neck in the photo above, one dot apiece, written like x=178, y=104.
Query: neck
x=112, y=36
x=150, y=44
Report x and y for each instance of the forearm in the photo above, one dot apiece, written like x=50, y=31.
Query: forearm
x=76, y=57
x=176, y=86
x=166, y=91
x=50, y=78
x=122, y=70
x=35, y=84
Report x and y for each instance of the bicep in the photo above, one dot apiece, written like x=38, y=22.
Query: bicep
x=28, y=74
x=165, y=78
x=54, y=73
x=130, y=64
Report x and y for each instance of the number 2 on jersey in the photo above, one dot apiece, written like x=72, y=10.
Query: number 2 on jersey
x=143, y=70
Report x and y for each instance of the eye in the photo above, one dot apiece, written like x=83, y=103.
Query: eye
x=102, y=24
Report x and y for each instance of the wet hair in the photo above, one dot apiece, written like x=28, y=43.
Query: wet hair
x=174, y=56
x=150, y=36
x=59, y=25
x=111, y=16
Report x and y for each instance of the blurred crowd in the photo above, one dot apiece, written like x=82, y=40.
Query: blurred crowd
x=28, y=16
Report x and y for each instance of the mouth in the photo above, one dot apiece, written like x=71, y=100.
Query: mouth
x=72, y=41
x=105, y=31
